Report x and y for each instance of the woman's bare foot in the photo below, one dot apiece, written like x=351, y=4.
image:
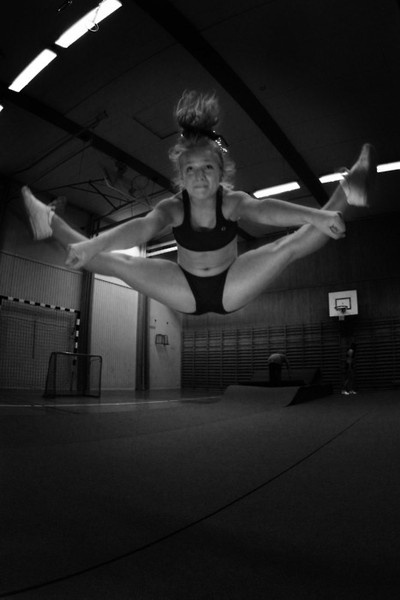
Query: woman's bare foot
x=360, y=180
x=39, y=215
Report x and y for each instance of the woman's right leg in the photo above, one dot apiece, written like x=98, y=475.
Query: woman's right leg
x=160, y=279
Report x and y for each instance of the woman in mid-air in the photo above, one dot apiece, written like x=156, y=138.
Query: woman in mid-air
x=209, y=276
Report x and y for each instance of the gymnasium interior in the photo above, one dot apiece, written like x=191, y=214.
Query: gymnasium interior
x=145, y=454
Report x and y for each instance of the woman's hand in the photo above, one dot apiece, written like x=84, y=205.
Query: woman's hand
x=330, y=223
x=80, y=254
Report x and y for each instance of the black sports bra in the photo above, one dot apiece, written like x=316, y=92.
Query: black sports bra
x=208, y=239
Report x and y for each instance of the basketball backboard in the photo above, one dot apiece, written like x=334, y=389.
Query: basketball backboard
x=343, y=303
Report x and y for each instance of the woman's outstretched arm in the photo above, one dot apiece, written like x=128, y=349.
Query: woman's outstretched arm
x=127, y=235
x=278, y=213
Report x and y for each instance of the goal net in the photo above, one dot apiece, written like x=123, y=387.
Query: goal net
x=73, y=374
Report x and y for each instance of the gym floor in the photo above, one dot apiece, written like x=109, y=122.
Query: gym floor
x=193, y=495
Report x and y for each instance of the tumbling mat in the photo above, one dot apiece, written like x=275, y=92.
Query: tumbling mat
x=278, y=396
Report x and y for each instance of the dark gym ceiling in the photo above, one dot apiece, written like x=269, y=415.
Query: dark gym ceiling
x=302, y=85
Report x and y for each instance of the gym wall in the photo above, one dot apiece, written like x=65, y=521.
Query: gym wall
x=35, y=273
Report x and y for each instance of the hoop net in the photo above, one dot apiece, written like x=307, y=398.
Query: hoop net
x=341, y=310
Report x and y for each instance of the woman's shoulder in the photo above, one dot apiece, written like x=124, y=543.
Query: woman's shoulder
x=232, y=200
x=173, y=208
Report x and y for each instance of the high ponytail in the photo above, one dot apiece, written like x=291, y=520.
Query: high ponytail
x=197, y=111
x=196, y=115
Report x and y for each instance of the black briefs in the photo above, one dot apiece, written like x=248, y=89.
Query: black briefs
x=208, y=292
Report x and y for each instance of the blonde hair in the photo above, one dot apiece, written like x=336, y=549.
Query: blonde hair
x=197, y=114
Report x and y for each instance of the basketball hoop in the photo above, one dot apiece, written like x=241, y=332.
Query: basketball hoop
x=341, y=310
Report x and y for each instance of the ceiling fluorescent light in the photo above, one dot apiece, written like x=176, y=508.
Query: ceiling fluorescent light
x=135, y=251
x=331, y=177
x=88, y=22
x=162, y=251
x=162, y=248
x=37, y=65
x=384, y=168
x=277, y=189
x=1, y=107
x=393, y=166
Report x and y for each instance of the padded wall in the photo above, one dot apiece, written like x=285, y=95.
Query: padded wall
x=218, y=358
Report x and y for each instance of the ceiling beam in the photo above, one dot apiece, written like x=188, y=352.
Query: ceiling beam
x=183, y=30
x=57, y=119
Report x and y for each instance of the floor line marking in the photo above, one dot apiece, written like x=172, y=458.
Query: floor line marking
x=100, y=404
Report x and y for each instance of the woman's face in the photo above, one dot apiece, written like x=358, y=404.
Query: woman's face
x=201, y=172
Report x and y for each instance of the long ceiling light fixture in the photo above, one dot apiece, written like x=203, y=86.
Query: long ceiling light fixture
x=37, y=65
x=163, y=248
x=89, y=22
x=277, y=189
x=332, y=177
x=386, y=167
x=383, y=168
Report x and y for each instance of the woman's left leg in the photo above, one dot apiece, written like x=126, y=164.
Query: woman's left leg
x=251, y=273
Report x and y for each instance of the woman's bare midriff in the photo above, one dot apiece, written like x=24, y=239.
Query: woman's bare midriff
x=207, y=264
